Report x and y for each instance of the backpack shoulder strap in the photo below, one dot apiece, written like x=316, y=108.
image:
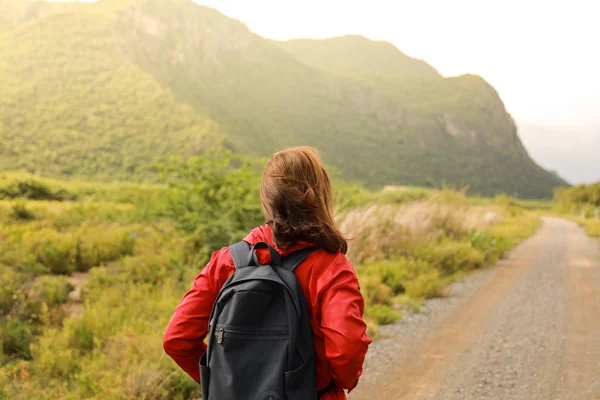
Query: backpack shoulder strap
x=291, y=261
x=239, y=254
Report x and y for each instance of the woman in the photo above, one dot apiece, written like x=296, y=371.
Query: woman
x=296, y=197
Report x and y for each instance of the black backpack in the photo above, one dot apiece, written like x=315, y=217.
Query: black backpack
x=260, y=339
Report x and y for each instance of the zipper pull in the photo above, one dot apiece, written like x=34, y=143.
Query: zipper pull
x=220, y=336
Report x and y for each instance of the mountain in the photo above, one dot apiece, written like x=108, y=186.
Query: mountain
x=101, y=89
x=354, y=53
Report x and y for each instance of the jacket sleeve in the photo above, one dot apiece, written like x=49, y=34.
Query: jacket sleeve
x=342, y=324
x=184, y=338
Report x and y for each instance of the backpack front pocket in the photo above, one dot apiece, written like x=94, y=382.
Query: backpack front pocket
x=253, y=361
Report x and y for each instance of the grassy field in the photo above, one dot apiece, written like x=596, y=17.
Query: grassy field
x=90, y=274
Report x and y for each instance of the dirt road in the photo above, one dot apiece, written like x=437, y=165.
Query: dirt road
x=529, y=329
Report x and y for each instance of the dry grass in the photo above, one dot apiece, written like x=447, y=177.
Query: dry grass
x=382, y=231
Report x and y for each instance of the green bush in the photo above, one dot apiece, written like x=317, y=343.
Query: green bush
x=32, y=190
x=581, y=194
x=215, y=196
x=57, y=252
x=398, y=195
x=425, y=286
x=62, y=253
x=386, y=281
x=372, y=328
x=39, y=301
x=492, y=247
x=10, y=284
x=395, y=273
x=450, y=256
x=20, y=212
x=512, y=231
x=99, y=245
x=150, y=269
x=375, y=291
x=15, y=337
x=52, y=290
x=592, y=227
x=81, y=336
x=382, y=314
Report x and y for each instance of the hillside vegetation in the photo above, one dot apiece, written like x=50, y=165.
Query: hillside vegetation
x=579, y=195
x=90, y=273
x=583, y=200
x=581, y=203
x=101, y=90
x=357, y=54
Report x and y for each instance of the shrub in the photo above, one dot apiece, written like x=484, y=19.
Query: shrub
x=375, y=291
x=450, y=256
x=214, y=196
x=16, y=336
x=412, y=303
x=32, y=190
x=57, y=253
x=81, y=336
x=513, y=231
x=65, y=252
x=10, y=284
x=382, y=314
x=395, y=273
x=398, y=195
x=593, y=228
x=492, y=247
x=20, y=212
x=425, y=286
x=505, y=201
x=389, y=273
x=52, y=290
x=151, y=269
x=99, y=245
x=42, y=296
x=581, y=194
x=53, y=357
x=372, y=328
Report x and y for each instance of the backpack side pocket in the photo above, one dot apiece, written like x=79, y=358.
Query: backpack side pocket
x=204, y=376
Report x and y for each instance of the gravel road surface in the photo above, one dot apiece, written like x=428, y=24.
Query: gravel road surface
x=527, y=329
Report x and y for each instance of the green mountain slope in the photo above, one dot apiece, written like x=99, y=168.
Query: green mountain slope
x=98, y=90
x=74, y=104
x=357, y=54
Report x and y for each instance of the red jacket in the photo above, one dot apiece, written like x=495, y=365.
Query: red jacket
x=335, y=304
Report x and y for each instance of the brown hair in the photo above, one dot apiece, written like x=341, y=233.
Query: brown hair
x=297, y=200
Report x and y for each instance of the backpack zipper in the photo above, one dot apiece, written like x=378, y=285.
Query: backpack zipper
x=242, y=333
